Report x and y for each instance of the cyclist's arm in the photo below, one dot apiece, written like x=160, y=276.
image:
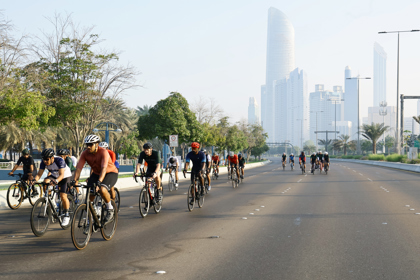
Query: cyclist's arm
x=157, y=168
x=60, y=174
x=14, y=169
x=40, y=172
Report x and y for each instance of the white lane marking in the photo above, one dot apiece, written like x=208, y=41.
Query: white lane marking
x=360, y=174
x=407, y=206
x=412, y=209
x=160, y=272
x=354, y=170
x=251, y=213
x=417, y=213
x=299, y=180
x=257, y=209
x=369, y=179
x=297, y=221
x=384, y=223
x=262, y=206
x=244, y=218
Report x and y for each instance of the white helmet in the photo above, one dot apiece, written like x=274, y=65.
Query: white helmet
x=313, y=153
x=92, y=139
x=103, y=145
x=231, y=154
x=284, y=153
x=291, y=154
x=326, y=153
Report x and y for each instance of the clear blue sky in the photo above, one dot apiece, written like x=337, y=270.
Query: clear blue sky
x=217, y=48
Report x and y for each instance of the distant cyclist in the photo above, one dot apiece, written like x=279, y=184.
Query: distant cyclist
x=302, y=160
x=216, y=160
x=292, y=159
x=173, y=164
x=29, y=168
x=198, y=159
x=283, y=159
x=64, y=154
x=233, y=163
x=326, y=160
x=241, y=162
x=320, y=159
x=313, y=162
x=208, y=167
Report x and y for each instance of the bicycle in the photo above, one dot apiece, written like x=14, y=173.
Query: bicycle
x=171, y=179
x=195, y=193
x=241, y=168
x=303, y=167
x=117, y=199
x=50, y=209
x=21, y=190
x=214, y=174
x=284, y=164
x=90, y=216
x=291, y=165
x=148, y=196
x=234, y=178
x=326, y=167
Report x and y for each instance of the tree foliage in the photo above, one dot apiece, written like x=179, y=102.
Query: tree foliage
x=373, y=132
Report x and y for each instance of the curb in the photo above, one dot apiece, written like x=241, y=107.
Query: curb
x=394, y=165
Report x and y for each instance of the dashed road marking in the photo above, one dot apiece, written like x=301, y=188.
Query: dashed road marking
x=299, y=180
x=370, y=179
x=360, y=174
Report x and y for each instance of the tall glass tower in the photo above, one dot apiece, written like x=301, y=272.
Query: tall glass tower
x=280, y=62
x=379, y=75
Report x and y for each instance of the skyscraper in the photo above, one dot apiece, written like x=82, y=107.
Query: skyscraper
x=253, y=111
x=351, y=102
x=379, y=75
x=280, y=62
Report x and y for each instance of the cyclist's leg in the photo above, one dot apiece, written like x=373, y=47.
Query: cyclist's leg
x=237, y=171
x=176, y=173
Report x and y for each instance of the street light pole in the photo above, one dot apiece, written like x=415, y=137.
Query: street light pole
x=398, y=79
x=316, y=125
x=358, y=111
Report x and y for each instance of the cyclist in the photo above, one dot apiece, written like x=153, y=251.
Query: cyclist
x=216, y=161
x=284, y=158
x=105, y=146
x=302, y=160
x=292, y=159
x=326, y=160
x=198, y=159
x=313, y=161
x=209, y=163
x=154, y=163
x=29, y=168
x=320, y=160
x=60, y=174
x=173, y=164
x=233, y=163
x=241, y=162
x=103, y=171
x=64, y=154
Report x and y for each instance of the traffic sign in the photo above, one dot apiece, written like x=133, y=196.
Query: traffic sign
x=416, y=143
x=173, y=140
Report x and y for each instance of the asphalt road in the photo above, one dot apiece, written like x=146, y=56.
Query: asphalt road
x=357, y=222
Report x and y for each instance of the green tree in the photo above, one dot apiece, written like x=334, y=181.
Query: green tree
x=309, y=146
x=255, y=136
x=258, y=151
x=130, y=145
x=236, y=139
x=373, y=132
x=343, y=143
x=389, y=142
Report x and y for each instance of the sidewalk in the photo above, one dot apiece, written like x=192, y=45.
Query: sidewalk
x=126, y=183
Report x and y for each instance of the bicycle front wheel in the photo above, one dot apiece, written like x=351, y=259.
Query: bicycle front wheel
x=233, y=183
x=170, y=182
x=144, y=202
x=40, y=216
x=200, y=196
x=109, y=229
x=191, y=197
x=15, y=196
x=35, y=192
x=158, y=205
x=81, y=227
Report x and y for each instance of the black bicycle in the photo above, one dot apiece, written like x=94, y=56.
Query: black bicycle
x=149, y=196
x=50, y=209
x=214, y=174
x=90, y=217
x=234, y=178
x=195, y=194
x=21, y=190
x=171, y=179
x=303, y=167
x=326, y=167
x=241, y=168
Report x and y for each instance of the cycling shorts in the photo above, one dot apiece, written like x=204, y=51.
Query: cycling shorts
x=292, y=160
x=215, y=163
x=63, y=184
x=194, y=174
x=110, y=179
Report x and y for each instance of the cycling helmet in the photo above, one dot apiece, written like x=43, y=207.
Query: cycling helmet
x=313, y=153
x=92, y=139
x=291, y=154
x=47, y=153
x=62, y=152
x=239, y=155
x=284, y=153
x=25, y=152
x=147, y=145
x=195, y=145
x=204, y=150
x=172, y=160
x=231, y=154
x=326, y=153
x=103, y=145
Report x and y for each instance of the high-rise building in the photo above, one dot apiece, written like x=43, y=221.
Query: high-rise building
x=379, y=75
x=351, y=102
x=280, y=62
x=385, y=115
x=253, y=111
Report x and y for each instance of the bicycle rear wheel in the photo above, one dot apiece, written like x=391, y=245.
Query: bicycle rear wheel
x=81, y=227
x=158, y=205
x=40, y=216
x=15, y=196
x=72, y=208
x=117, y=198
x=109, y=229
x=144, y=202
x=200, y=196
x=35, y=192
x=191, y=197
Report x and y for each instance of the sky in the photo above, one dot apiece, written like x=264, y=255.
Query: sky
x=217, y=49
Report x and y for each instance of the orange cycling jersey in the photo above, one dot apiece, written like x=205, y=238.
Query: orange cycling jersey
x=215, y=158
x=233, y=159
x=112, y=155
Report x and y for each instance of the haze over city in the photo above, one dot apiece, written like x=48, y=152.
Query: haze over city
x=219, y=50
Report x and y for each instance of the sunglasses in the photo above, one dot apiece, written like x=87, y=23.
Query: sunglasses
x=46, y=159
x=90, y=145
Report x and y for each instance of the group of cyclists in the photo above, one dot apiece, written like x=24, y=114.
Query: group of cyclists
x=319, y=159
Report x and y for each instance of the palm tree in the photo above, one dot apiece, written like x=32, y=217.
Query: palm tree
x=325, y=143
x=141, y=111
x=417, y=119
x=344, y=142
x=373, y=132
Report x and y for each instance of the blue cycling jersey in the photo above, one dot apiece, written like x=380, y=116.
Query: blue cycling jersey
x=196, y=159
x=292, y=157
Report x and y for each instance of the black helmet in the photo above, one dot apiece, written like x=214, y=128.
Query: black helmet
x=204, y=150
x=172, y=160
x=239, y=155
x=47, y=153
x=25, y=152
x=63, y=152
x=147, y=145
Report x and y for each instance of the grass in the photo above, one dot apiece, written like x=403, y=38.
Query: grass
x=394, y=158
x=376, y=157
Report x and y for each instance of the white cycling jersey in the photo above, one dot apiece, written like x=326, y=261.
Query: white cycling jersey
x=172, y=164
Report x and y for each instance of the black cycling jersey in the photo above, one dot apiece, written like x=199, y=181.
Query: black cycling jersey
x=313, y=158
x=152, y=161
x=327, y=158
x=284, y=157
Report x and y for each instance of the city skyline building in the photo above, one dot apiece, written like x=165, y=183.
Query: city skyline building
x=253, y=111
x=280, y=61
x=379, y=75
x=351, y=102
x=375, y=116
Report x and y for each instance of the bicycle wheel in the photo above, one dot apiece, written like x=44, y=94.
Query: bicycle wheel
x=191, y=197
x=200, y=196
x=15, y=196
x=171, y=182
x=117, y=198
x=158, y=205
x=81, y=227
x=144, y=202
x=35, y=192
x=109, y=229
x=233, y=183
x=72, y=208
x=40, y=216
